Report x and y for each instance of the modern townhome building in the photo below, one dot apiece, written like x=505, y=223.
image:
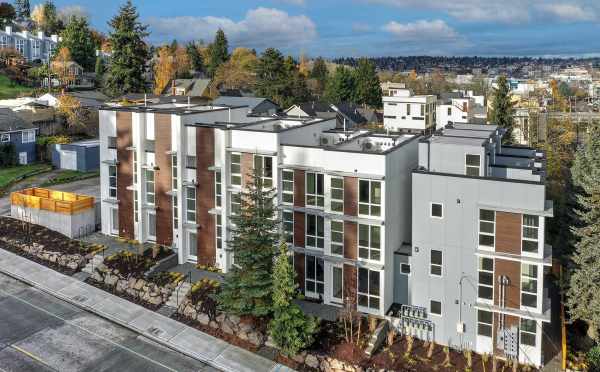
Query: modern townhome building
x=476, y=273
x=32, y=46
x=460, y=107
x=402, y=111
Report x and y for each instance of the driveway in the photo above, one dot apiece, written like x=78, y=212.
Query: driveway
x=41, y=333
x=90, y=186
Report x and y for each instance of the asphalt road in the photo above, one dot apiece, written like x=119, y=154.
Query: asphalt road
x=90, y=187
x=41, y=333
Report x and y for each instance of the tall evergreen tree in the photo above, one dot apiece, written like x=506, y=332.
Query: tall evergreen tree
x=125, y=72
x=23, y=9
x=77, y=38
x=196, y=60
x=368, y=87
x=290, y=328
x=7, y=14
x=247, y=289
x=320, y=73
x=341, y=87
x=503, y=110
x=219, y=52
x=99, y=69
x=583, y=296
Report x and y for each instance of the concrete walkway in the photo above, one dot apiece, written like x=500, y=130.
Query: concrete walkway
x=168, y=332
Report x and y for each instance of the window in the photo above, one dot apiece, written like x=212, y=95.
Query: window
x=112, y=181
x=21, y=46
x=437, y=210
x=114, y=221
x=449, y=111
x=435, y=263
x=337, y=283
x=314, y=231
x=337, y=238
x=218, y=190
x=287, y=186
x=314, y=276
x=405, y=268
x=174, y=172
x=529, y=285
x=151, y=226
x=408, y=109
x=175, y=212
x=192, y=245
x=422, y=110
x=472, y=165
x=5, y=137
x=264, y=168
x=35, y=46
x=369, y=242
x=369, y=202
x=235, y=169
x=136, y=206
x=219, y=237
x=485, y=289
x=288, y=226
x=149, y=176
x=435, y=307
x=190, y=162
x=528, y=332
x=112, y=142
x=487, y=228
x=531, y=226
x=314, y=190
x=4, y=41
x=389, y=116
x=368, y=288
x=484, y=323
x=135, y=170
x=337, y=194
x=28, y=136
x=190, y=194
x=236, y=204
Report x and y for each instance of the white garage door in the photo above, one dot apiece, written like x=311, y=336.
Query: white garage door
x=68, y=159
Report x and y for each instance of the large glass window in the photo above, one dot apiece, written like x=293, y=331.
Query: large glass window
x=288, y=226
x=528, y=331
x=21, y=46
x=314, y=190
x=149, y=177
x=175, y=212
x=531, y=225
x=235, y=169
x=236, y=204
x=484, y=323
x=112, y=181
x=368, y=288
x=315, y=276
x=529, y=285
x=219, y=237
x=337, y=238
x=263, y=166
x=151, y=226
x=472, y=165
x=315, y=236
x=337, y=283
x=485, y=288
x=174, y=172
x=287, y=186
x=191, y=204
x=369, y=242
x=337, y=194
x=28, y=136
x=487, y=228
x=218, y=190
x=35, y=48
x=369, y=193
x=435, y=266
x=136, y=206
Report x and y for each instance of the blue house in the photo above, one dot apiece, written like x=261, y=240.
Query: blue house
x=20, y=133
x=83, y=156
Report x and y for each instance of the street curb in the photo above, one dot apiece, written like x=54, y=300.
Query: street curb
x=210, y=362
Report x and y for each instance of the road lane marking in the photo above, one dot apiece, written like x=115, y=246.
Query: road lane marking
x=32, y=356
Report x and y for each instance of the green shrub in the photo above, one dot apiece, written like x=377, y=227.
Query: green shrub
x=593, y=359
x=8, y=155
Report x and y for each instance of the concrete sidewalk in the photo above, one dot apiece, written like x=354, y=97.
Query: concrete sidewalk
x=168, y=332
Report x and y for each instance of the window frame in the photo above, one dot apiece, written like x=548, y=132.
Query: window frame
x=287, y=193
x=485, y=324
x=369, y=248
x=431, y=307
x=28, y=136
x=336, y=201
x=525, y=279
x=218, y=231
x=112, y=189
x=174, y=171
x=432, y=265
x=431, y=204
x=4, y=137
x=480, y=270
x=235, y=204
x=527, y=239
x=336, y=243
x=315, y=280
x=527, y=332
x=493, y=235
x=175, y=203
x=368, y=294
x=318, y=198
x=191, y=212
x=235, y=177
x=260, y=162
x=114, y=212
x=149, y=226
x=150, y=181
x=405, y=264
x=286, y=222
x=370, y=204
x=468, y=166
x=317, y=238
x=337, y=300
x=218, y=190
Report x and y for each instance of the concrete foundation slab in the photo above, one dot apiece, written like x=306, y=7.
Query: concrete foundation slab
x=200, y=345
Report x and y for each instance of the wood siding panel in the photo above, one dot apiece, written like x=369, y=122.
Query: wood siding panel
x=247, y=169
x=299, y=182
x=205, y=158
x=350, y=240
x=350, y=284
x=508, y=233
x=164, y=202
x=351, y=196
x=125, y=174
x=299, y=267
x=299, y=226
x=512, y=270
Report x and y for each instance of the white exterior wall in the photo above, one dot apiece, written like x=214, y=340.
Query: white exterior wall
x=108, y=128
x=396, y=116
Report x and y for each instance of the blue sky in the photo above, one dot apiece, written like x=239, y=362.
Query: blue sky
x=374, y=27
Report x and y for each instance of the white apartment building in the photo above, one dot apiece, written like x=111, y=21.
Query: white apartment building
x=33, y=46
x=405, y=112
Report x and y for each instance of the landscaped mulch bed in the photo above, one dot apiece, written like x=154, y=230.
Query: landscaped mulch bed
x=48, y=264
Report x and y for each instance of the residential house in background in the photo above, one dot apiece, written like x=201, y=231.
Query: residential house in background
x=83, y=156
x=460, y=107
x=36, y=112
x=403, y=111
x=347, y=114
x=256, y=105
x=188, y=87
x=18, y=132
x=33, y=46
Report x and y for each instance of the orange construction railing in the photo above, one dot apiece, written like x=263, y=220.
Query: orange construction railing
x=51, y=200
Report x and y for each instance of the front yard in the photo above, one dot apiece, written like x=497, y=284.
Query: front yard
x=8, y=176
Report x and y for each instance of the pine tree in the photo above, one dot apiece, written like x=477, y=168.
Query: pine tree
x=77, y=37
x=23, y=9
x=341, y=87
x=195, y=57
x=270, y=76
x=247, y=289
x=503, y=111
x=320, y=73
x=99, y=69
x=7, y=14
x=368, y=87
x=219, y=52
x=583, y=296
x=290, y=328
x=125, y=72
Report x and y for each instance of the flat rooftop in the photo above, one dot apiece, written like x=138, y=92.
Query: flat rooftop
x=275, y=125
x=170, y=108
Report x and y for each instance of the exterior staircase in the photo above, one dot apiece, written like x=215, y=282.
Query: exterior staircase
x=170, y=307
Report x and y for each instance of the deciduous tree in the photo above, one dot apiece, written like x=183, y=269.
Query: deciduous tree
x=320, y=73
x=164, y=70
x=238, y=72
x=60, y=66
x=71, y=109
x=45, y=16
x=503, y=111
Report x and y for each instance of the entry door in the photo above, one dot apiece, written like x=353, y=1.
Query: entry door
x=68, y=160
x=22, y=158
x=192, y=244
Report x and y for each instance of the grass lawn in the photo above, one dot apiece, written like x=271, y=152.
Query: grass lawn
x=9, y=89
x=67, y=176
x=10, y=175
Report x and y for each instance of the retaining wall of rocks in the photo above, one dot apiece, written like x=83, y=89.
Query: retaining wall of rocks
x=72, y=262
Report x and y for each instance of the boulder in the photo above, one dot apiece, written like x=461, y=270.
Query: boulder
x=255, y=338
x=312, y=361
x=111, y=280
x=270, y=342
x=299, y=358
x=139, y=284
x=227, y=327
x=189, y=311
x=73, y=265
x=203, y=319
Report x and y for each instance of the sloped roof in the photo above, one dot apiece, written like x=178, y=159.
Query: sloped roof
x=193, y=87
x=10, y=122
x=351, y=112
x=251, y=102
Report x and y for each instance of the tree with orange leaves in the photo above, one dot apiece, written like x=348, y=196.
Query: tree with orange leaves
x=60, y=67
x=164, y=70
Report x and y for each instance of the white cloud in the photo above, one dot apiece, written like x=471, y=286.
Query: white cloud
x=568, y=12
x=292, y=2
x=261, y=27
x=423, y=30
x=360, y=27
x=65, y=13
